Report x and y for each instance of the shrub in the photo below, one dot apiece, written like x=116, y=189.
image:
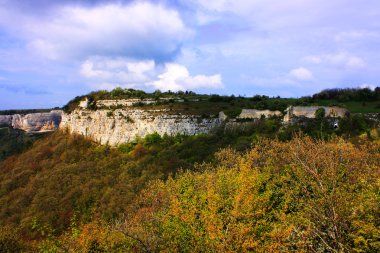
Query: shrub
x=320, y=113
x=152, y=138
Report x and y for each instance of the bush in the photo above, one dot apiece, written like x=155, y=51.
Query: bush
x=152, y=138
x=320, y=113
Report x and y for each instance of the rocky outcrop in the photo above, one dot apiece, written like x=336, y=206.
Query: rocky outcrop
x=257, y=114
x=130, y=102
x=5, y=120
x=125, y=125
x=309, y=112
x=33, y=122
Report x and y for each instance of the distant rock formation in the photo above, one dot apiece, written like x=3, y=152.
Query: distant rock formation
x=33, y=122
x=84, y=103
x=257, y=114
x=125, y=124
x=118, y=126
x=309, y=112
x=5, y=120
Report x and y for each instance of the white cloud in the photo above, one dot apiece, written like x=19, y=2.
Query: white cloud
x=340, y=60
x=302, y=74
x=108, y=73
x=140, y=30
x=345, y=60
x=177, y=77
x=119, y=70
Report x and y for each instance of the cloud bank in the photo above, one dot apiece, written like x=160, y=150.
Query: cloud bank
x=139, y=30
x=106, y=73
x=302, y=74
x=247, y=47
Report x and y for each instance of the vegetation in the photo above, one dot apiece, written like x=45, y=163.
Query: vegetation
x=68, y=195
x=25, y=111
x=15, y=141
x=355, y=100
x=63, y=175
x=264, y=187
x=344, y=95
x=302, y=195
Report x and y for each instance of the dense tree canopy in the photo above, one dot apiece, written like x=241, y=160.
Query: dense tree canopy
x=66, y=194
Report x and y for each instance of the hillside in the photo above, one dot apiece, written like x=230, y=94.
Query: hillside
x=73, y=174
x=259, y=185
x=15, y=141
x=67, y=194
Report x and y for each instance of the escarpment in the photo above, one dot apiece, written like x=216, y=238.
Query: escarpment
x=33, y=122
x=119, y=121
x=114, y=127
x=126, y=121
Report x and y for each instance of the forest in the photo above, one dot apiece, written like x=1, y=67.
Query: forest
x=271, y=188
x=67, y=194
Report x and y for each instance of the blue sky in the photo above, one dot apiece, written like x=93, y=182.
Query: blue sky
x=52, y=51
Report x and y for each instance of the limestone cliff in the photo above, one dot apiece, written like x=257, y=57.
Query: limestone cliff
x=108, y=125
x=5, y=120
x=33, y=122
x=116, y=126
x=257, y=114
x=309, y=112
x=125, y=125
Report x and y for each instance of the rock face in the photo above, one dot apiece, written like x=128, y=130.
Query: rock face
x=309, y=112
x=257, y=114
x=33, y=122
x=5, y=120
x=132, y=102
x=116, y=126
x=125, y=125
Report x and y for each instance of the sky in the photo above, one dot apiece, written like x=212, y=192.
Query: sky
x=52, y=51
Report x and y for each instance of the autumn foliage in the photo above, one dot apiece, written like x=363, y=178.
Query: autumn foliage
x=303, y=195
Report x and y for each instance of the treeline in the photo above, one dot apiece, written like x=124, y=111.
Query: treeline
x=340, y=97
x=349, y=94
x=25, y=111
x=120, y=93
